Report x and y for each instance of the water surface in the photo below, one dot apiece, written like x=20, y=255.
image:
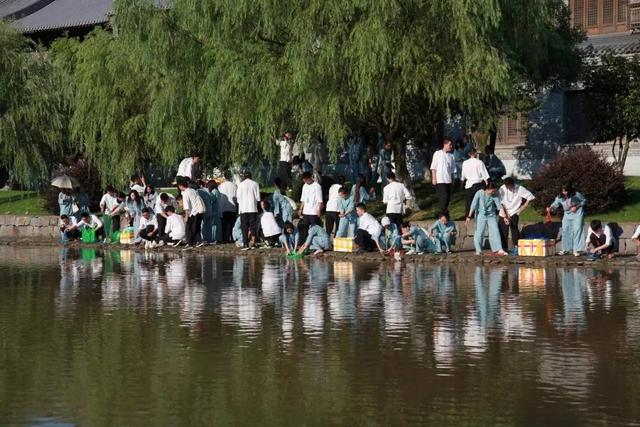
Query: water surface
x=92, y=337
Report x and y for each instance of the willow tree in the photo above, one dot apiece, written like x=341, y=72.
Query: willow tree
x=32, y=117
x=230, y=75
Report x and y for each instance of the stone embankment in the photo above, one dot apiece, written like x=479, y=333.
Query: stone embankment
x=43, y=231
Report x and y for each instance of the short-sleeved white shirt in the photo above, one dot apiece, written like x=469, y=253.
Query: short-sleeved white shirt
x=311, y=197
x=445, y=166
x=512, y=200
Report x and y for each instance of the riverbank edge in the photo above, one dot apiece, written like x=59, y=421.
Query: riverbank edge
x=467, y=257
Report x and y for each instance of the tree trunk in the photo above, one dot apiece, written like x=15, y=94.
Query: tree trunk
x=493, y=136
x=622, y=144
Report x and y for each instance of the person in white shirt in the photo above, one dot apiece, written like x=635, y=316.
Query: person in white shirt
x=188, y=168
x=602, y=239
x=443, y=168
x=248, y=196
x=174, y=229
x=286, y=145
x=475, y=176
x=109, y=205
x=148, y=228
x=310, y=204
x=92, y=221
x=162, y=202
x=194, y=210
x=137, y=183
x=394, y=195
x=369, y=229
x=69, y=228
x=271, y=231
x=512, y=196
x=228, y=209
x=331, y=214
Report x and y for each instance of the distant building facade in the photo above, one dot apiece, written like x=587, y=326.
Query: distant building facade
x=527, y=141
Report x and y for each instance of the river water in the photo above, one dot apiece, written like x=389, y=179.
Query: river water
x=92, y=337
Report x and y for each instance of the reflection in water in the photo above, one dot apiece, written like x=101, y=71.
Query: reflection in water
x=201, y=339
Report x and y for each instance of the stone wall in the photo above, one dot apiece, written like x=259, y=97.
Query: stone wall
x=13, y=227
x=45, y=228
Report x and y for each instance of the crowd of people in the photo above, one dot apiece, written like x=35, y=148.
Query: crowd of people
x=219, y=211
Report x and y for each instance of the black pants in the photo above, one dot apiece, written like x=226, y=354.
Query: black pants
x=115, y=223
x=249, y=226
x=504, y=231
x=364, y=241
x=599, y=241
x=273, y=240
x=193, y=229
x=72, y=234
x=284, y=173
x=307, y=221
x=330, y=221
x=167, y=239
x=228, y=221
x=144, y=234
x=469, y=194
x=443, y=191
x=162, y=223
x=395, y=218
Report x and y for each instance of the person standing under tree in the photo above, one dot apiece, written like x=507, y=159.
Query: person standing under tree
x=228, y=207
x=475, y=176
x=487, y=204
x=443, y=168
x=248, y=199
x=194, y=210
x=572, y=204
x=286, y=145
x=511, y=196
x=189, y=168
x=355, y=149
x=495, y=167
x=332, y=211
x=310, y=204
x=394, y=196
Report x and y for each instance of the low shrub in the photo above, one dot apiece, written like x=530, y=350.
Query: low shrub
x=589, y=173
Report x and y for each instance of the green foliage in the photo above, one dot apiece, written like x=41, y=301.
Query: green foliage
x=612, y=98
x=226, y=77
x=588, y=172
x=32, y=121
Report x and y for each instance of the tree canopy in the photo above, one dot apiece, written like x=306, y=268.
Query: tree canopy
x=612, y=102
x=227, y=77
x=32, y=120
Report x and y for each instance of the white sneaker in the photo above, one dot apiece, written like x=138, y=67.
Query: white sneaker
x=160, y=243
x=397, y=256
x=576, y=254
x=420, y=253
x=152, y=245
x=201, y=244
x=147, y=245
x=178, y=243
x=561, y=253
x=411, y=252
x=318, y=252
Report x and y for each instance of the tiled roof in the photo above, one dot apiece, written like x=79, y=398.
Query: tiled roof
x=618, y=44
x=32, y=16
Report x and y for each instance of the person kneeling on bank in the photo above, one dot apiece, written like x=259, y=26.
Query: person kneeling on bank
x=69, y=228
x=417, y=239
x=369, y=229
x=174, y=228
x=269, y=227
x=443, y=233
x=92, y=221
x=318, y=240
x=289, y=238
x=391, y=239
x=602, y=240
x=148, y=230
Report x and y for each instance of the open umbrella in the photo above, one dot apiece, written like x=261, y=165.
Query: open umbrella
x=65, y=181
